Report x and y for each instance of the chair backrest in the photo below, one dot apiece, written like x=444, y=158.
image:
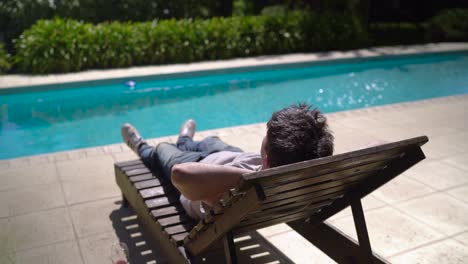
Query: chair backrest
x=314, y=189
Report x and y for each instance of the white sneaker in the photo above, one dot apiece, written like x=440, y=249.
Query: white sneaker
x=131, y=137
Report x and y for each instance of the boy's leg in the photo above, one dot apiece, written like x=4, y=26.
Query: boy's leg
x=207, y=146
x=162, y=158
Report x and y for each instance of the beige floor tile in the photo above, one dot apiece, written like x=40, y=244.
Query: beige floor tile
x=459, y=161
x=91, y=167
x=349, y=139
x=380, y=130
x=438, y=148
x=27, y=176
x=438, y=175
x=34, y=230
x=31, y=199
x=447, y=251
x=400, y=189
x=460, y=193
x=39, y=159
x=442, y=212
x=88, y=179
x=76, y=154
x=274, y=230
x=87, y=189
x=124, y=156
x=115, y=148
x=91, y=152
x=98, y=211
x=98, y=248
x=66, y=252
x=390, y=231
x=462, y=238
x=369, y=202
x=298, y=249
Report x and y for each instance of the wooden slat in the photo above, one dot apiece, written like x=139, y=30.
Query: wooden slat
x=304, y=192
x=175, y=220
x=167, y=211
x=154, y=192
x=244, y=228
x=344, y=157
x=161, y=202
x=177, y=229
x=282, y=211
x=154, y=230
x=290, y=208
x=137, y=172
x=143, y=177
x=147, y=184
x=134, y=167
x=323, y=169
x=308, y=197
x=178, y=239
x=395, y=168
x=345, y=183
x=124, y=164
x=335, y=175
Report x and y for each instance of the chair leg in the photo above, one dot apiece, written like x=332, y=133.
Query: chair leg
x=229, y=248
x=124, y=201
x=333, y=242
x=361, y=229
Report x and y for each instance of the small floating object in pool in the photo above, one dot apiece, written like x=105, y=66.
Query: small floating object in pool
x=130, y=84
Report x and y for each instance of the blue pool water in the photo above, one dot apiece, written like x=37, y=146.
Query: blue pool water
x=54, y=120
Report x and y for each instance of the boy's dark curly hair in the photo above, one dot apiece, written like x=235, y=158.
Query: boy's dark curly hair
x=297, y=133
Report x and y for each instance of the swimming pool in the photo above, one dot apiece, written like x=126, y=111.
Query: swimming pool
x=54, y=120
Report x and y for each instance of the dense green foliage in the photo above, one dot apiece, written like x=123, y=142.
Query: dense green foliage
x=18, y=15
x=450, y=25
x=67, y=45
x=397, y=33
x=4, y=60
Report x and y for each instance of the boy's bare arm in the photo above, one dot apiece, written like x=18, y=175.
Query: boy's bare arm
x=201, y=181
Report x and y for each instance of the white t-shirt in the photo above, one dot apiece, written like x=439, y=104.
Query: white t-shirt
x=243, y=160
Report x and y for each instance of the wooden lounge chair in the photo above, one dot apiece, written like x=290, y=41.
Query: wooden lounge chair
x=302, y=195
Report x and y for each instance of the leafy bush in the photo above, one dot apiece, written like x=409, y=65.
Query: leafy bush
x=18, y=15
x=397, y=33
x=67, y=45
x=449, y=25
x=4, y=60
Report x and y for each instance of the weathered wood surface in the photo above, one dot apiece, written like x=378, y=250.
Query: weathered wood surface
x=313, y=190
x=163, y=217
x=325, y=186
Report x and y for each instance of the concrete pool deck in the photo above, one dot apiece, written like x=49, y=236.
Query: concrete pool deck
x=64, y=207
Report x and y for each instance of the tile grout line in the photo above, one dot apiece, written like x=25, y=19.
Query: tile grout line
x=428, y=244
x=40, y=246
x=67, y=208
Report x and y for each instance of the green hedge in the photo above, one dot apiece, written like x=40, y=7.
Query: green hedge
x=19, y=15
x=67, y=45
x=397, y=33
x=4, y=60
x=449, y=25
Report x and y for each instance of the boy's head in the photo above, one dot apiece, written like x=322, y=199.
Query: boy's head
x=296, y=133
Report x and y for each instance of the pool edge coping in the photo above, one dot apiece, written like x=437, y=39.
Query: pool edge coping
x=22, y=83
